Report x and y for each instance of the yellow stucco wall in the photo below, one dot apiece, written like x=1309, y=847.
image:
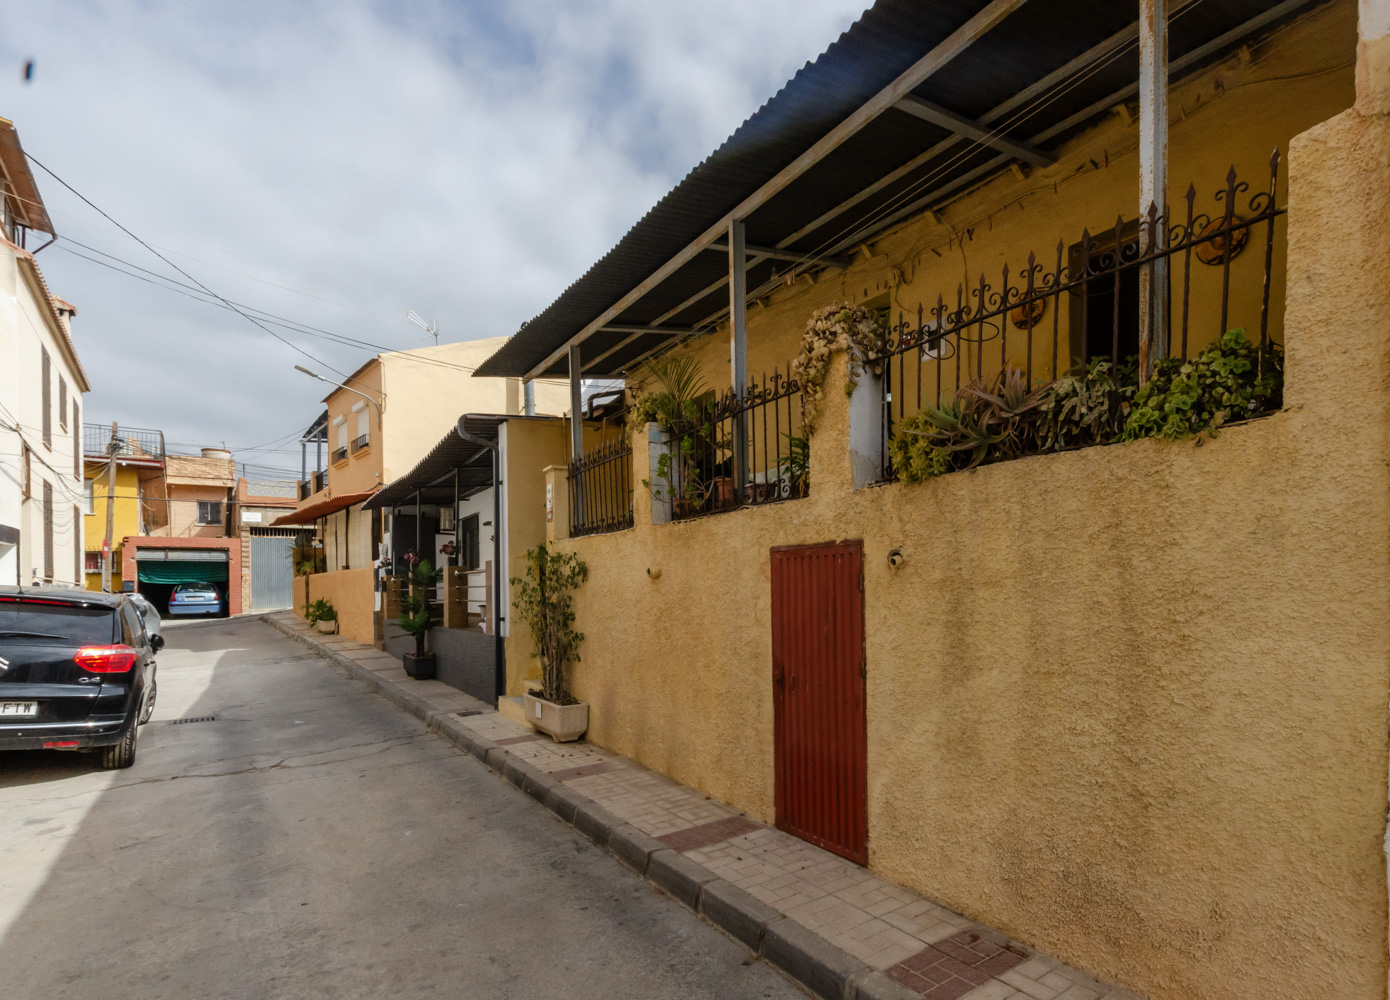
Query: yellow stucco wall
x=360, y=470
x=351, y=594
x=1127, y=704
x=531, y=446
x=126, y=517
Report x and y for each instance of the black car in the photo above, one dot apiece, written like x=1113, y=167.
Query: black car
x=77, y=672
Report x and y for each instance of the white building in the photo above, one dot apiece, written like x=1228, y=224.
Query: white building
x=41, y=386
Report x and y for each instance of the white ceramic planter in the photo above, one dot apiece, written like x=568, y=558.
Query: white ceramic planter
x=327, y=628
x=562, y=723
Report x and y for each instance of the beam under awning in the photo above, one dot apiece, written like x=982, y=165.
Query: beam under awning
x=978, y=132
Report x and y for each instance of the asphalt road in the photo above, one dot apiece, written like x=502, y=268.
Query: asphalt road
x=315, y=841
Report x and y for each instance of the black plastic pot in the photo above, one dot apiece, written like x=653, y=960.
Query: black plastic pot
x=419, y=667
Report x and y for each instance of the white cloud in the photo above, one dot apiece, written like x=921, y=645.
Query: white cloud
x=465, y=160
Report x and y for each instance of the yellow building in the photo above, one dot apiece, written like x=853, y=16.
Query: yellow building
x=139, y=464
x=1126, y=703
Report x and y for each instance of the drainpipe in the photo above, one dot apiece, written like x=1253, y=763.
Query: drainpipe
x=530, y=388
x=499, y=668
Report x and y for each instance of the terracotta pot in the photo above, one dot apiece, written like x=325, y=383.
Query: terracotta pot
x=419, y=667
x=562, y=723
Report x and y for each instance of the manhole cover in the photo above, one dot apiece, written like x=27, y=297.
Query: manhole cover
x=196, y=718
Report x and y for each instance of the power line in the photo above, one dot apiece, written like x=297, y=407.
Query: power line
x=181, y=271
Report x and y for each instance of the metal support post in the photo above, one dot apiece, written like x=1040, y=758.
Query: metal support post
x=738, y=346
x=1153, y=182
x=107, y=548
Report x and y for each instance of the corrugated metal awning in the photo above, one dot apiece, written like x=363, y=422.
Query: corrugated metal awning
x=180, y=555
x=1081, y=53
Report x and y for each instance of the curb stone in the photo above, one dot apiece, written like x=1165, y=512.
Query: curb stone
x=826, y=970
x=633, y=847
x=594, y=821
x=739, y=914
x=810, y=959
x=679, y=876
x=876, y=986
x=563, y=802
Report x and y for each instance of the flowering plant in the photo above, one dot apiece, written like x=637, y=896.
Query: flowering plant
x=447, y=548
x=840, y=327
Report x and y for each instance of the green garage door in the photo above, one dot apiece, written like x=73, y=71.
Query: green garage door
x=178, y=571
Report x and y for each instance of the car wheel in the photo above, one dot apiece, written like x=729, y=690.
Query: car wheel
x=149, y=702
x=121, y=754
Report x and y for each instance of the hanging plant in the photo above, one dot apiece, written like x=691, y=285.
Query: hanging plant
x=841, y=327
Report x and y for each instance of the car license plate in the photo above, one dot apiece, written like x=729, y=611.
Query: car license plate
x=18, y=708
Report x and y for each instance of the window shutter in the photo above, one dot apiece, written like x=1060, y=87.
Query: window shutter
x=47, y=391
x=62, y=402
x=27, y=486
x=363, y=423
x=47, y=530
x=76, y=442
x=76, y=546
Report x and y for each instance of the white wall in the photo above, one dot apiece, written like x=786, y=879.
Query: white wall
x=25, y=331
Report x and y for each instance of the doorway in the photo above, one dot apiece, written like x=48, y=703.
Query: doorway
x=818, y=668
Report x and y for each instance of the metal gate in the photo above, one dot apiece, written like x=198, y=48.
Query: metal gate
x=272, y=573
x=818, y=696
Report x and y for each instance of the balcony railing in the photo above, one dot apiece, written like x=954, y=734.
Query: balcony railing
x=132, y=442
x=358, y=443
x=1042, y=324
x=738, y=451
x=600, y=487
x=312, y=485
x=339, y=454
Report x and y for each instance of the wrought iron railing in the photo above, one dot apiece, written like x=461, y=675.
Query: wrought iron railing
x=1044, y=323
x=360, y=442
x=600, y=487
x=737, y=451
x=339, y=454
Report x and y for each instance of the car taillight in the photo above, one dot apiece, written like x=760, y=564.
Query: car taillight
x=106, y=659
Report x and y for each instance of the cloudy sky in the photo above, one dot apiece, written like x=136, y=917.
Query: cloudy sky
x=336, y=163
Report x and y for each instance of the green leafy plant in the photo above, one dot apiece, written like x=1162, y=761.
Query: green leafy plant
x=798, y=462
x=1225, y=382
x=320, y=611
x=1087, y=406
x=543, y=598
x=1099, y=403
x=415, y=607
x=984, y=422
x=678, y=387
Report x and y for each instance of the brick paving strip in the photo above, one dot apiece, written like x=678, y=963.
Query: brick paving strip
x=834, y=926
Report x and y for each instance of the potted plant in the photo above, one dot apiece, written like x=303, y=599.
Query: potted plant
x=325, y=616
x=544, y=600
x=415, y=619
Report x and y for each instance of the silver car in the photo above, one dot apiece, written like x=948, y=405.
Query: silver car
x=195, y=599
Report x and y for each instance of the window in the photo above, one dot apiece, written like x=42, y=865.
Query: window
x=47, y=392
x=62, y=403
x=89, y=496
x=470, y=557
x=26, y=487
x=364, y=430
x=209, y=511
x=340, y=452
x=47, y=530
x=76, y=547
x=76, y=443
x=94, y=562
x=1097, y=336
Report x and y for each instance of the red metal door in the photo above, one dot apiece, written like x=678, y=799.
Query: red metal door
x=818, y=695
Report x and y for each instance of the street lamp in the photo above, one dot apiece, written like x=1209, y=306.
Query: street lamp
x=369, y=399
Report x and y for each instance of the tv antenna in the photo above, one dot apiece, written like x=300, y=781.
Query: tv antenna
x=432, y=329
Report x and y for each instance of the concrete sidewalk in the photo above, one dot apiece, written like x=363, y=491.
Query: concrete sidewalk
x=831, y=924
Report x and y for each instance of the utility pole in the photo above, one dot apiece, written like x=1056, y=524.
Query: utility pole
x=111, y=449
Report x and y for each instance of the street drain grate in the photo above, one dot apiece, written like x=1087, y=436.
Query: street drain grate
x=196, y=718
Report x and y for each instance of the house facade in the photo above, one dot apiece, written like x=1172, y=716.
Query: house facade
x=378, y=425
x=1124, y=699
x=41, y=387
